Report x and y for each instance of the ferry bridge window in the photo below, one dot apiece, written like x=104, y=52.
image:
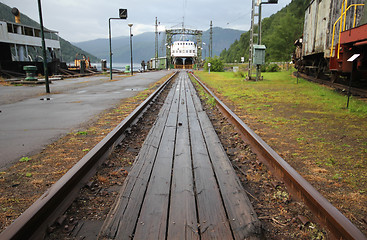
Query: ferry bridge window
x=10, y=28
x=28, y=31
x=37, y=33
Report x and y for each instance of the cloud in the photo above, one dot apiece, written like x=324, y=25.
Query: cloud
x=82, y=20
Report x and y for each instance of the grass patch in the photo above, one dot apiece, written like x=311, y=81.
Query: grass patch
x=24, y=159
x=82, y=133
x=305, y=118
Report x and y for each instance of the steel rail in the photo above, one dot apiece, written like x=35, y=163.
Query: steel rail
x=339, y=226
x=33, y=223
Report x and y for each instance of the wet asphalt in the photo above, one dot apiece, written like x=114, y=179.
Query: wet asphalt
x=30, y=119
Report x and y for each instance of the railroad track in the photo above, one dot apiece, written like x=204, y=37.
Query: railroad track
x=32, y=224
x=340, y=87
x=327, y=214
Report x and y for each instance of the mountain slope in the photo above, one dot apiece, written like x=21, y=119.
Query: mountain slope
x=279, y=31
x=67, y=49
x=144, y=45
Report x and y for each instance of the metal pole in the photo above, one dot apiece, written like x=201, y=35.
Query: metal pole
x=251, y=41
x=211, y=40
x=131, y=50
x=259, y=36
x=350, y=83
x=156, y=44
x=258, y=69
x=109, y=30
x=43, y=48
x=109, y=36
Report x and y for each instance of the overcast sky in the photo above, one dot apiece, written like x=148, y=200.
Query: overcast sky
x=82, y=20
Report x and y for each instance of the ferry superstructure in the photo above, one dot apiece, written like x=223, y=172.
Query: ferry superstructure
x=184, y=54
x=21, y=45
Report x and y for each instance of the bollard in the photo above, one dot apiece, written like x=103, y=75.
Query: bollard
x=104, y=65
x=82, y=66
x=127, y=68
x=30, y=73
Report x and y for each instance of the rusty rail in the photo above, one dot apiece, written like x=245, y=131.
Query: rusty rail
x=354, y=91
x=33, y=223
x=327, y=214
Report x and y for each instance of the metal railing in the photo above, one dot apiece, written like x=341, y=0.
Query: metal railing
x=342, y=20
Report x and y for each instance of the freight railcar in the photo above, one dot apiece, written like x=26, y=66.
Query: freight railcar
x=333, y=32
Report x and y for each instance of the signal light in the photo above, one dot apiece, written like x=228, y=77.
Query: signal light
x=123, y=13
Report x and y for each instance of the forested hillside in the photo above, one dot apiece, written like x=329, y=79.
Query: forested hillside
x=279, y=31
x=67, y=49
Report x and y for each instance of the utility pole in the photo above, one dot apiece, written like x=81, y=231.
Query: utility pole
x=211, y=40
x=156, y=43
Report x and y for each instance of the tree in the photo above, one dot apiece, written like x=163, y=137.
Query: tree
x=279, y=32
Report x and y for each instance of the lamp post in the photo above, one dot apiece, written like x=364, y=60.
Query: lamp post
x=131, y=49
x=259, y=29
x=260, y=2
x=123, y=15
x=43, y=48
x=204, y=50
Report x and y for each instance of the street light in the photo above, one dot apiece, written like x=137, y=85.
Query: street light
x=204, y=50
x=131, y=49
x=122, y=15
x=259, y=28
x=260, y=2
x=43, y=48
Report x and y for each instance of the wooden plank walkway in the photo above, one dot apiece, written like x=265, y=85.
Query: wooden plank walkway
x=182, y=184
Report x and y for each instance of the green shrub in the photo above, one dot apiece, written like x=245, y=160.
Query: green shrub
x=239, y=74
x=263, y=68
x=270, y=68
x=216, y=64
x=273, y=68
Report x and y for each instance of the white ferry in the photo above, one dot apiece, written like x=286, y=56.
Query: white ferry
x=183, y=54
x=21, y=45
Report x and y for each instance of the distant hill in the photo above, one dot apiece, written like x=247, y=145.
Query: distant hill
x=144, y=45
x=279, y=31
x=67, y=49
